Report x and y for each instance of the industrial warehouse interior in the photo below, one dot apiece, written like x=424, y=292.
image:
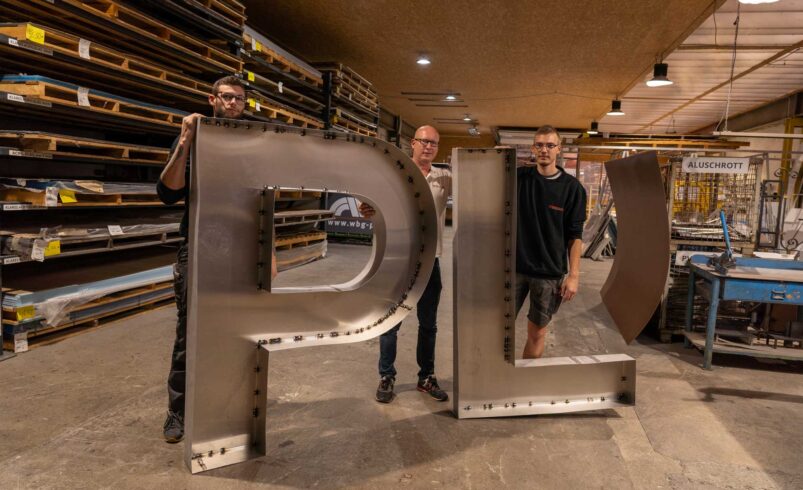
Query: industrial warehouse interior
x=221, y=266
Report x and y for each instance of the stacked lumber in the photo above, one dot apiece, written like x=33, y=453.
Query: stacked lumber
x=354, y=101
x=299, y=239
x=290, y=88
x=31, y=316
x=65, y=193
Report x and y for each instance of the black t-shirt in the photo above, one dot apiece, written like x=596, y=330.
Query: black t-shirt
x=172, y=196
x=551, y=212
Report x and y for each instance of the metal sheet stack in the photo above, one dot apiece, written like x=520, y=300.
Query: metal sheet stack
x=91, y=97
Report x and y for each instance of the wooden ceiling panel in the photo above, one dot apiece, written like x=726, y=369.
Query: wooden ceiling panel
x=514, y=63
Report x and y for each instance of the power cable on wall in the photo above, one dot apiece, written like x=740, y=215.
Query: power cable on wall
x=733, y=68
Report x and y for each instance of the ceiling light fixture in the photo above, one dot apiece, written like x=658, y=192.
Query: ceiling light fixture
x=450, y=97
x=594, y=128
x=423, y=60
x=756, y=2
x=467, y=118
x=616, y=108
x=474, y=130
x=659, y=75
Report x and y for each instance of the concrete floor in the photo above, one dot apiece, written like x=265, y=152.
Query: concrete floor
x=87, y=413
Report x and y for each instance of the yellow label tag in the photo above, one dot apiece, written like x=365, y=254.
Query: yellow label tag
x=250, y=76
x=53, y=248
x=67, y=195
x=252, y=103
x=34, y=34
x=26, y=312
x=259, y=46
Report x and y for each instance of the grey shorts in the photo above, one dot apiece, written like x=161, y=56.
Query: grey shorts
x=544, y=294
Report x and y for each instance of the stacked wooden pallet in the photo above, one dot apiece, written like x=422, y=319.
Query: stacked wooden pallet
x=31, y=318
x=299, y=239
x=354, y=101
x=287, y=88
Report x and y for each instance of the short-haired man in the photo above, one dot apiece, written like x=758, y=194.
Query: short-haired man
x=228, y=101
x=425, y=149
x=551, y=213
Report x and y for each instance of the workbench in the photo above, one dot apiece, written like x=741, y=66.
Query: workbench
x=750, y=279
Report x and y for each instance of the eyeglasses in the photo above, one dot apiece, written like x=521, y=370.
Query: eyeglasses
x=548, y=146
x=229, y=97
x=424, y=142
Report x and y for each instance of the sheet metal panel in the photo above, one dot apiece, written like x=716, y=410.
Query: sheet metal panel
x=486, y=383
x=232, y=323
x=641, y=264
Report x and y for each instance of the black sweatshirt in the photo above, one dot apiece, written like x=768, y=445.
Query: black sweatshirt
x=551, y=212
x=172, y=196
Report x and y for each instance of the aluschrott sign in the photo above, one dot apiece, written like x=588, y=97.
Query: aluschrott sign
x=715, y=165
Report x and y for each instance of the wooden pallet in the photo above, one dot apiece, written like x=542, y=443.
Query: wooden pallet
x=281, y=93
x=257, y=49
x=349, y=127
x=82, y=200
x=286, y=218
x=72, y=245
x=338, y=114
x=117, y=24
x=57, y=145
x=49, y=335
x=299, y=240
x=231, y=9
x=261, y=106
x=68, y=96
x=297, y=194
x=84, y=53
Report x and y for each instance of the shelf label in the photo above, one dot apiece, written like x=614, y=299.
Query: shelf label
x=15, y=153
x=258, y=107
x=281, y=88
x=21, y=342
x=115, y=230
x=83, y=48
x=83, y=96
x=16, y=98
x=25, y=312
x=250, y=76
x=258, y=46
x=53, y=248
x=52, y=196
x=67, y=196
x=13, y=42
x=252, y=103
x=11, y=260
x=34, y=34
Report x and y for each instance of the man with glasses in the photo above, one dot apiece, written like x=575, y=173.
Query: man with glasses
x=551, y=213
x=228, y=101
x=425, y=148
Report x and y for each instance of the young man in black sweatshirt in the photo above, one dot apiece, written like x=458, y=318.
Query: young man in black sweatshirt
x=551, y=213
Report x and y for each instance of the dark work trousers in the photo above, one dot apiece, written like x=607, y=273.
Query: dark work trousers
x=176, y=379
x=427, y=309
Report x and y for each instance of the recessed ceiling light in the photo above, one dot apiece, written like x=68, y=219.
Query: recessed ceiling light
x=450, y=97
x=616, y=108
x=659, y=76
x=755, y=2
x=423, y=60
x=467, y=118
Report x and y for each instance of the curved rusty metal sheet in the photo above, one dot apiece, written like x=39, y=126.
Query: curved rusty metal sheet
x=641, y=264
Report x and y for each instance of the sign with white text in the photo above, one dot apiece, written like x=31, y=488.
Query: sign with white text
x=715, y=165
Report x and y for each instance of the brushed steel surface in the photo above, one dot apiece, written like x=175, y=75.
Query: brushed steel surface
x=232, y=324
x=486, y=383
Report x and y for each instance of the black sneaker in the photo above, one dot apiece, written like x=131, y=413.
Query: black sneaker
x=384, y=393
x=174, y=427
x=430, y=385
